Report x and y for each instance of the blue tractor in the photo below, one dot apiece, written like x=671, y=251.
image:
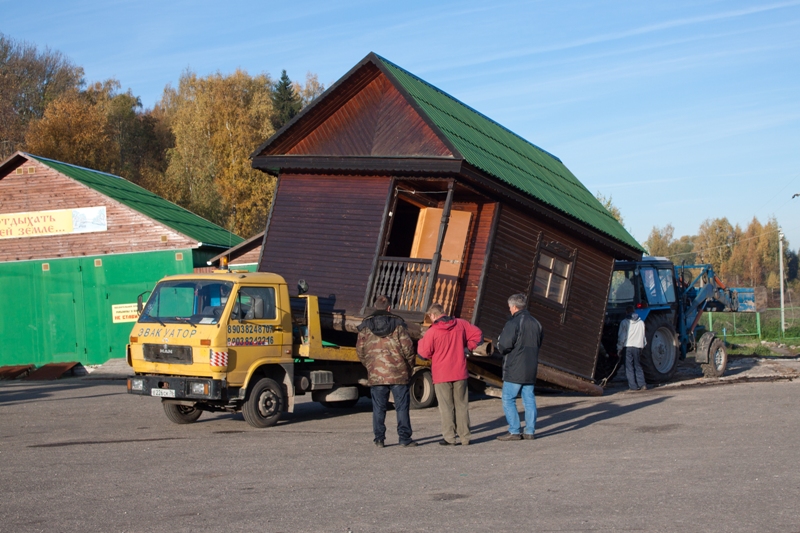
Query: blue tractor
x=670, y=299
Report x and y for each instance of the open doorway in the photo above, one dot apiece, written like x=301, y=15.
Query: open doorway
x=405, y=269
x=401, y=236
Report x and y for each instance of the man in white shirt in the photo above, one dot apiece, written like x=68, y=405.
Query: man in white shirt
x=632, y=338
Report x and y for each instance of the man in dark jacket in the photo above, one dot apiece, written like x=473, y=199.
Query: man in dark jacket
x=386, y=349
x=519, y=345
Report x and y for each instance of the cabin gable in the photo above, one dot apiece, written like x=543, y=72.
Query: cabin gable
x=376, y=121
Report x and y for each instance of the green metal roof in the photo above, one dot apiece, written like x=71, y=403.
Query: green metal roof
x=147, y=203
x=505, y=155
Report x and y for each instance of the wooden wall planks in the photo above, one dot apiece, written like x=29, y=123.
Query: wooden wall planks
x=46, y=190
x=249, y=257
x=325, y=229
x=572, y=345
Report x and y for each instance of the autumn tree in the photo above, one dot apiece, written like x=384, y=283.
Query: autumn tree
x=610, y=207
x=682, y=250
x=30, y=80
x=99, y=128
x=660, y=240
x=310, y=91
x=74, y=130
x=768, y=251
x=286, y=103
x=714, y=241
x=138, y=137
x=216, y=122
x=792, y=264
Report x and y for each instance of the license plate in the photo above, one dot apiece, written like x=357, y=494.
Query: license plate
x=164, y=393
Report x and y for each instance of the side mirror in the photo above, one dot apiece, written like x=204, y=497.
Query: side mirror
x=140, y=302
x=302, y=287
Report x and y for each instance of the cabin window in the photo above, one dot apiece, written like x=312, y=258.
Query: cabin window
x=553, y=273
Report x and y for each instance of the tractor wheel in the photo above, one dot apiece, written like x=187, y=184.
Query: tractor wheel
x=660, y=357
x=264, y=404
x=420, y=389
x=717, y=360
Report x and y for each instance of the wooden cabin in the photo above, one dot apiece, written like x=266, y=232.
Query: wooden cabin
x=387, y=185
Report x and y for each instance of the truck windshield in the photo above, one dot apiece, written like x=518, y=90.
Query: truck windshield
x=192, y=301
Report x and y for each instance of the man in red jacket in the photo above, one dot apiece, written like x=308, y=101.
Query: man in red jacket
x=444, y=344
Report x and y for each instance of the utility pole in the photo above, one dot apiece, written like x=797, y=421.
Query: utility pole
x=780, y=251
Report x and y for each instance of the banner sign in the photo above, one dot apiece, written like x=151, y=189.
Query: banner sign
x=124, y=313
x=58, y=222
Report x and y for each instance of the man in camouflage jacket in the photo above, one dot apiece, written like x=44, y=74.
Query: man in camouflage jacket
x=386, y=349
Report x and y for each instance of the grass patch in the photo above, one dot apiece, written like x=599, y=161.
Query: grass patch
x=748, y=349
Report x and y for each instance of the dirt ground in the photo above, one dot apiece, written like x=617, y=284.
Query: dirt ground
x=741, y=368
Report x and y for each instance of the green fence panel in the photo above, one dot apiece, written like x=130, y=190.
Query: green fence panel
x=20, y=326
x=65, y=313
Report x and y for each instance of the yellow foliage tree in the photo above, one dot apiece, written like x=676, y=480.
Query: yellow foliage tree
x=73, y=129
x=102, y=129
x=659, y=241
x=216, y=122
x=714, y=241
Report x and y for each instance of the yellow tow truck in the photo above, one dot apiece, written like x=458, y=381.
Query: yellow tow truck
x=235, y=341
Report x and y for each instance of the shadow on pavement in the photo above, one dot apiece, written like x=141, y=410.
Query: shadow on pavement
x=553, y=420
x=42, y=391
x=571, y=419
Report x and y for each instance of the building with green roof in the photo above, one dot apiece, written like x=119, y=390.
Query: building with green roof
x=78, y=247
x=388, y=185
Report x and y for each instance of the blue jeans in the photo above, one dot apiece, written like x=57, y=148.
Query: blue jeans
x=380, y=402
x=510, y=393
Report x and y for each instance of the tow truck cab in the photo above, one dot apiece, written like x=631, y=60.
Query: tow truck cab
x=201, y=338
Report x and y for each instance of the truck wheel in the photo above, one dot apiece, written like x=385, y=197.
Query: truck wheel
x=181, y=414
x=717, y=360
x=420, y=389
x=660, y=356
x=264, y=405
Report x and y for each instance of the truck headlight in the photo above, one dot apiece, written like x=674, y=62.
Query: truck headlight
x=137, y=384
x=197, y=388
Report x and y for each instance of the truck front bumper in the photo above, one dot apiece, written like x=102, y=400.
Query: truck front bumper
x=179, y=388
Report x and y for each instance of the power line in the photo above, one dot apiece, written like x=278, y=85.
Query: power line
x=791, y=180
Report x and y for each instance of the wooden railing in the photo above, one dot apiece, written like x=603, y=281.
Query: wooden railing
x=405, y=282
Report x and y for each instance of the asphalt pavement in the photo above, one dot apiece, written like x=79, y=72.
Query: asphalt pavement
x=80, y=454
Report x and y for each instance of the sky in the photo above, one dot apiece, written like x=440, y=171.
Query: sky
x=680, y=111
